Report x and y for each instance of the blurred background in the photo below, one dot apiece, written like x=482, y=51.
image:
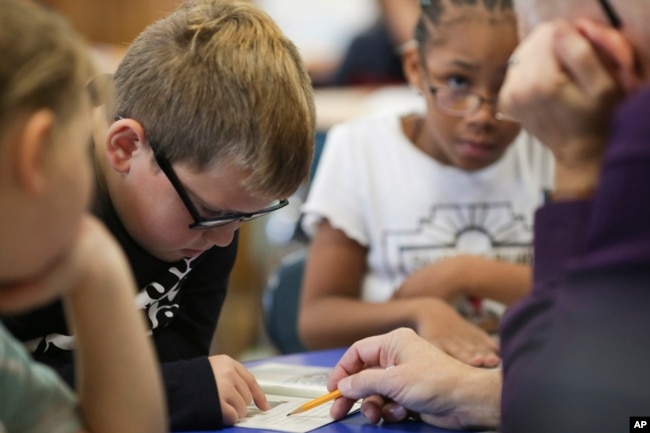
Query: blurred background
x=350, y=48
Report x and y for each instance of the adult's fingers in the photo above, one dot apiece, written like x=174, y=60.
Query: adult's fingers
x=394, y=412
x=368, y=382
x=371, y=408
x=532, y=59
x=378, y=351
x=616, y=49
x=580, y=60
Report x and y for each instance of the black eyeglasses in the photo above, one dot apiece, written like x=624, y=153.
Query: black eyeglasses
x=611, y=14
x=202, y=223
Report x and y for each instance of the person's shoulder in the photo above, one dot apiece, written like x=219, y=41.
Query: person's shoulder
x=369, y=122
x=367, y=131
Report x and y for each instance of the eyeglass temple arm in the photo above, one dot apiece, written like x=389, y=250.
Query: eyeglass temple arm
x=165, y=166
x=612, y=16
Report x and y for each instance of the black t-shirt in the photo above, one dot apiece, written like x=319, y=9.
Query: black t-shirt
x=182, y=302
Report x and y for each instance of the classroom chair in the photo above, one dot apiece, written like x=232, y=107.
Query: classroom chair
x=281, y=296
x=280, y=303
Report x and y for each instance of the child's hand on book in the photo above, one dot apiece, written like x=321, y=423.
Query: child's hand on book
x=237, y=388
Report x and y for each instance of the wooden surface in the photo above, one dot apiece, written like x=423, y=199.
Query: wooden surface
x=112, y=21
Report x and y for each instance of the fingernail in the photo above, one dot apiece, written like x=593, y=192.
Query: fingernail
x=398, y=412
x=345, y=385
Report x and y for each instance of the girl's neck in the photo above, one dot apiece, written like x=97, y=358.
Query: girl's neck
x=416, y=129
x=413, y=127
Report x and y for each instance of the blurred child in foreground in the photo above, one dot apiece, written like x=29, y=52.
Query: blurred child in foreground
x=50, y=248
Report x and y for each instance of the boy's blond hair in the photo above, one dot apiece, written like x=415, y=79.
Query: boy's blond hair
x=44, y=63
x=218, y=81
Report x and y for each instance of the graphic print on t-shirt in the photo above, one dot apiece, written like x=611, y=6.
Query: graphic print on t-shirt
x=158, y=299
x=492, y=230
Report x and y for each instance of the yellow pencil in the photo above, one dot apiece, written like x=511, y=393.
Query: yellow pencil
x=317, y=402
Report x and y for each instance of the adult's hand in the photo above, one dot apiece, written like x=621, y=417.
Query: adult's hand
x=563, y=84
x=400, y=374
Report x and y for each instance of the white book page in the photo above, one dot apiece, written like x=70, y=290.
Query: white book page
x=276, y=418
x=293, y=380
x=287, y=387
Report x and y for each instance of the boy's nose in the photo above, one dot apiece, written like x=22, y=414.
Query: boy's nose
x=221, y=236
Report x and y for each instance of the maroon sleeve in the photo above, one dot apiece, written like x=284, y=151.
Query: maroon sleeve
x=575, y=351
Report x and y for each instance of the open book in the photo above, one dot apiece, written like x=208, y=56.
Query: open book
x=288, y=387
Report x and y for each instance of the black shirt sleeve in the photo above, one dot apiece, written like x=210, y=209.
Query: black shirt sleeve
x=192, y=396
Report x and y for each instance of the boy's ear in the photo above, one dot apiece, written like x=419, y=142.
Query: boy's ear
x=124, y=137
x=411, y=64
x=34, y=141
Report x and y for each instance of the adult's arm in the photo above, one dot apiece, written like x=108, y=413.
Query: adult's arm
x=577, y=343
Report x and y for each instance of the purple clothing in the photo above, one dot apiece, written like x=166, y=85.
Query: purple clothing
x=576, y=352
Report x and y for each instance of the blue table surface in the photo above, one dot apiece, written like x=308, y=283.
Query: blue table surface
x=356, y=423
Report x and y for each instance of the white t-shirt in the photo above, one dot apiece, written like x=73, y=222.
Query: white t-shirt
x=409, y=210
